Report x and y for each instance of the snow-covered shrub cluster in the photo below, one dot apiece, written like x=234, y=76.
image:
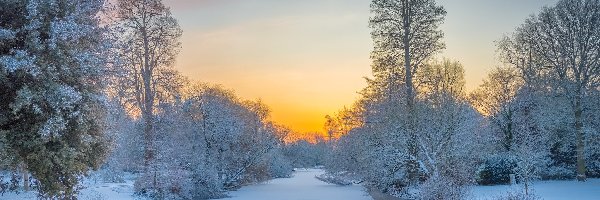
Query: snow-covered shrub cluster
x=207, y=142
x=496, y=169
x=437, y=187
x=435, y=160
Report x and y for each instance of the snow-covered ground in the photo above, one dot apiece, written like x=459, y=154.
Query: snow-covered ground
x=303, y=186
x=94, y=190
x=547, y=190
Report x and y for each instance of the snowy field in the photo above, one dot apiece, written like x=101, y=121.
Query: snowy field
x=547, y=190
x=303, y=186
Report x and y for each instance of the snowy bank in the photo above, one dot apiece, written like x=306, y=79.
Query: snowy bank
x=547, y=190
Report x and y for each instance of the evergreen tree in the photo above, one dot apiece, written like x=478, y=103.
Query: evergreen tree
x=51, y=102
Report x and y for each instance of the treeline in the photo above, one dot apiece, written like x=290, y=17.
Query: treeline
x=88, y=85
x=416, y=133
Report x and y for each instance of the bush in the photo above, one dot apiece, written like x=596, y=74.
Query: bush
x=438, y=187
x=593, y=166
x=559, y=173
x=178, y=184
x=496, y=170
x=279, y=166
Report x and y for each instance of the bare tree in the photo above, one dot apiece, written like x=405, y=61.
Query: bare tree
x=149, y=42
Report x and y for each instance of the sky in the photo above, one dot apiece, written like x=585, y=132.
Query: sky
x=308, y=58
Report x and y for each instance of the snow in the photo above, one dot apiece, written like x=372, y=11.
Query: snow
x=302, y=186
x=93, y=191
x=547, y=190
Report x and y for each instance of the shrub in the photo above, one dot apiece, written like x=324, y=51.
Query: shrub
x=438, y=187
x=559, y=173
x=496, y=170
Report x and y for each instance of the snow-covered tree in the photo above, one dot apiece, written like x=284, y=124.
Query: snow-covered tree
x=148, y=43
x=494, y=99
x=560, y=45
x=215, y=142
x=51, y=79
x=406, y=36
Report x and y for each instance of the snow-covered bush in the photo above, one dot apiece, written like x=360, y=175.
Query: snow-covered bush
x=496, y=169
x=558, y=173
x=279, y=165
x=437, y=188
x=165, y=184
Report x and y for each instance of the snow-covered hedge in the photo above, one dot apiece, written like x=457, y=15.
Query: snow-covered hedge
x=496, y=170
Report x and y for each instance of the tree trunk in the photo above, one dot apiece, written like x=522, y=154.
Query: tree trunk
x=148, y=99
x=581, y=169
x=413, y=166
x=526, y=187
x=25, y=177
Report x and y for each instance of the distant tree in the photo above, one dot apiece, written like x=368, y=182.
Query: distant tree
x=342, y=122
x=494, y=99
x=560, y=47
x=52, y=65
x=148, y=38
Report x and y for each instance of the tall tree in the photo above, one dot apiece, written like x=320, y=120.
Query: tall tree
x=51, y=84
x=406, y=35
x=149, y=42
x=561, y=46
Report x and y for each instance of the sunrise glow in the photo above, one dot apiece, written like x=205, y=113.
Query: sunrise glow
x=307, y=59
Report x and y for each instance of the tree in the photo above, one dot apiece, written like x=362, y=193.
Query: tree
x=51, y=84
x=494, y=99
x=560, y=46
x=406, y=35
x=148, y=44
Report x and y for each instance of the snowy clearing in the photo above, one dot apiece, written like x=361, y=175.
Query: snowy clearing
x=302, y=186
x=547, y=190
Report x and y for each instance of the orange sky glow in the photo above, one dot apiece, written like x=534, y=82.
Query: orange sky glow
x=306, y=59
